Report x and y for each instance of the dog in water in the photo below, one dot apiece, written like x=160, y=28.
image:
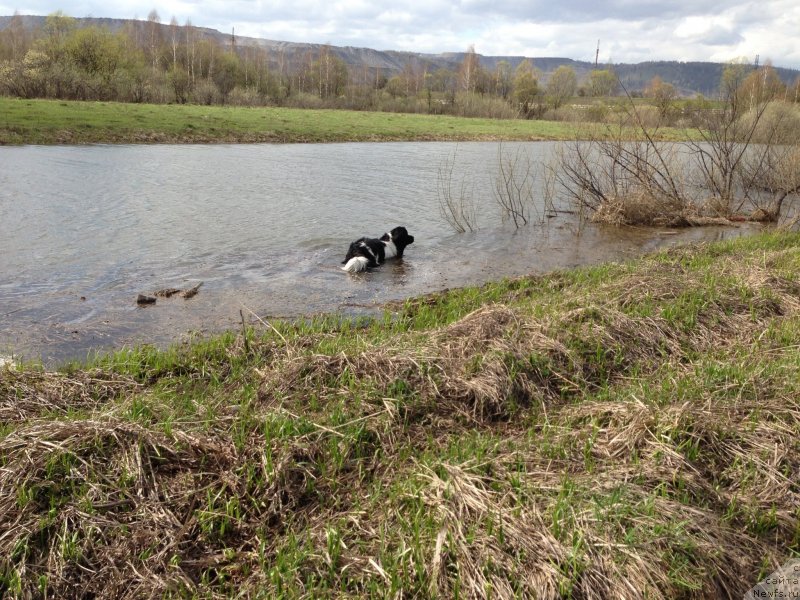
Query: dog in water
x=371, y=252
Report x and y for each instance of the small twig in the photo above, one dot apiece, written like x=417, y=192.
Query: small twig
x=317, y=425
x=265, y=323
x=244, y=333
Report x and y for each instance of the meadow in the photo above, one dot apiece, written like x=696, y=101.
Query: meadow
x=24, y=121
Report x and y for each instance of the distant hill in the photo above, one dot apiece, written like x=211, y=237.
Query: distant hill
x=689, y=78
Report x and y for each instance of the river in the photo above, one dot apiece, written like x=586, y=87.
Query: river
x=85, y=230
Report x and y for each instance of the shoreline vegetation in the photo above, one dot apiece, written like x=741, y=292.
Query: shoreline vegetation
x=36, y=121
x=626, y=430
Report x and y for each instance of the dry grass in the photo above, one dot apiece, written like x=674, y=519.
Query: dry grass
x=28, y=394
x=621, y=432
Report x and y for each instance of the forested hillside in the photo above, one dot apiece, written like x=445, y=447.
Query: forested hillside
x=149, y=61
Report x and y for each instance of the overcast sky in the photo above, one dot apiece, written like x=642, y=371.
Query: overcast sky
x=628, y=30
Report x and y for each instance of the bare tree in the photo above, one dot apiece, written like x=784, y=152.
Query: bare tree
x=190, y=51
x=456, y=204
x=503, y=79
x=513, y=186
x=468, y=72
x=174, y=34
x=14, y=39
x=154, y=37
x=726, y=146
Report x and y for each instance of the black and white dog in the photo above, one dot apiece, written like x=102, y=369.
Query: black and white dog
x=371, y=252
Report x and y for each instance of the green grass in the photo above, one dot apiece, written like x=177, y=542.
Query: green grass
x=624, y=427
x=61, y=122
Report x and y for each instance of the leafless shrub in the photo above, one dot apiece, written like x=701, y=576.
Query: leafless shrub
x=726, y=139
x=742, y=161
x=775, y=175
x=771, y=168
x=456, y=203
x=623, y=182
x=513, y=187
x=549, y=189
x=779, y=124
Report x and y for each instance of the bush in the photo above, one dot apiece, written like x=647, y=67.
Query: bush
x=401, y=104
x=245, y=97
x=640, y=207
x=206, y=92
x=780, y=124
x=305, y=100
x=475, y=105
x=743, y=163
x=648, y=116
x=568, y=114
x=597, y=113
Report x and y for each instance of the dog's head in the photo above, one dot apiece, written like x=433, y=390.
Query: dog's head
x=401, y=239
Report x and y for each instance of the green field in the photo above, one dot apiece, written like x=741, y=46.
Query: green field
x=60, y=122
x=628, y=430
x=47, y=122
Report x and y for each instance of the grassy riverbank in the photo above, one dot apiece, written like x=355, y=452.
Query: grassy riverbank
x=60, y=122
x=629, y=430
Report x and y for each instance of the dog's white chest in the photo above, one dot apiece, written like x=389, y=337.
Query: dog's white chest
x=391, y=250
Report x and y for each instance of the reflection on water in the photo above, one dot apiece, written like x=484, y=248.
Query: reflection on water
x=83, y=230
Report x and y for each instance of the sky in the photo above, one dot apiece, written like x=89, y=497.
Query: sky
x=628, y=31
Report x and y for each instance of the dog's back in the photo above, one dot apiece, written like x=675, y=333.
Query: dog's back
x=370, y=252
x=364, y=252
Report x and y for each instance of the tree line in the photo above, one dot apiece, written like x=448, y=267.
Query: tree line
x=147, y=61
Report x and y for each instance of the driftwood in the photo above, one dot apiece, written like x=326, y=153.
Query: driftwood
x=191, y=292
x=168, y=292
x=142, y=299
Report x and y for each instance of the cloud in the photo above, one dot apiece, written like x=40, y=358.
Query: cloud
x=708, y=31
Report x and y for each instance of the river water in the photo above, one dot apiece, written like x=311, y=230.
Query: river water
x=84, y=230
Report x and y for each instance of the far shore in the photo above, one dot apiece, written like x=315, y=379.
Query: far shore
x=52, y=122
